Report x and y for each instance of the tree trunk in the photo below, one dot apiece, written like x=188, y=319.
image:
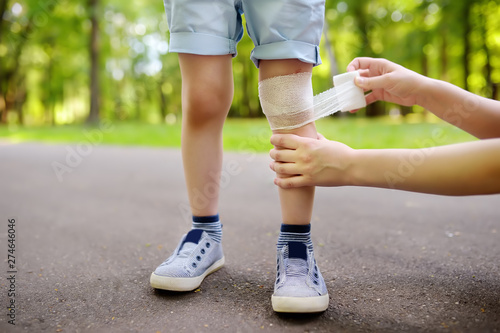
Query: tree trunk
x=487, y=68
x=253, y=96
x=3, y=109
x=425, y=70
x=93, y=117
x=8, y=76
x=163, y=97
x=139, y=99
x=444, y=55
x=329, y=48
x=20, y=98
x=405, y=110
x=245, y=100
x=48, y=99
x=359, y=11
x=466, y=41
x=3, y=8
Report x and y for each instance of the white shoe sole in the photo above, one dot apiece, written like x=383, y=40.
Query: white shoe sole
x=300, y=304
x=183, y=284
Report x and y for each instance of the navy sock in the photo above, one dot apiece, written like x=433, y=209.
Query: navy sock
x=295, y=233
x=210, y=224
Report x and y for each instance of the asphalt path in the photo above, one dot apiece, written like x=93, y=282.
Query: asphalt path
x=92, y=222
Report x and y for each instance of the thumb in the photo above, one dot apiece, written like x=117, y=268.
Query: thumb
x=370, y=83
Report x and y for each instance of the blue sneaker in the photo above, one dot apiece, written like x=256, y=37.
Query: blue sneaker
x=196, y=256
x=299, y=286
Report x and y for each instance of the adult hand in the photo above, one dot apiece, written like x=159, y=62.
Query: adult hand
x=300, y=161
x=387, y=81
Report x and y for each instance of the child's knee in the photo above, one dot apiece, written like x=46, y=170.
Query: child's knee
x=202, y=103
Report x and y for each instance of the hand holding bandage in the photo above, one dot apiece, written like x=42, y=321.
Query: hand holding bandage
x=462, y=169
x=288, y=102
x=387, y=81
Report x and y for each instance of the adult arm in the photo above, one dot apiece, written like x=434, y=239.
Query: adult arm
x=459, y=169
x=391, y=82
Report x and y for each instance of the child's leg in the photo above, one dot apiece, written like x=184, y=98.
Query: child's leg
x=296, y=204
x=299, y=285
x=207, y=92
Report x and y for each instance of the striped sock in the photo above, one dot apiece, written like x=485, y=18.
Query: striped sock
x=210, y=224
x=295, y=233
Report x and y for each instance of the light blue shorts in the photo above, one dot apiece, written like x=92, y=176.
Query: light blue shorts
x=280, y=29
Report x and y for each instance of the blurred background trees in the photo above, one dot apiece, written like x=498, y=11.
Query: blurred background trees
x=68, y=61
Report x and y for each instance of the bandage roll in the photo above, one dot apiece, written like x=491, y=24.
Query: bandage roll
x=351, y=97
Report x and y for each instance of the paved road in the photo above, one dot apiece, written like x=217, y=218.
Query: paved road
x=88, y=239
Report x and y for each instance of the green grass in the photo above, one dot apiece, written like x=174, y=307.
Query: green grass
x=252, y=134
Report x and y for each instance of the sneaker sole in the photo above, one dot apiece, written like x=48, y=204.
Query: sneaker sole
x=300, y=304
x=183, y=284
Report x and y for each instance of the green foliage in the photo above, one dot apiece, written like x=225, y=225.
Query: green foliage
x=253, y=134
x=44, y=51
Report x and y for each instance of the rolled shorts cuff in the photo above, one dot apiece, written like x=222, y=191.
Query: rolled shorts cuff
x=289, y=49
x=202, y=44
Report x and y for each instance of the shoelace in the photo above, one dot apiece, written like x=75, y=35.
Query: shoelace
x=296, y=267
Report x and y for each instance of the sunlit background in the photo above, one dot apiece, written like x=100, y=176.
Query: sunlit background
x=47, y=47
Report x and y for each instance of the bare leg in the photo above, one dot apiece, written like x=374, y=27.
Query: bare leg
x=296, y=204
x=207, y=92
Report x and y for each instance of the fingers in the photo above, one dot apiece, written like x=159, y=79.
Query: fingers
x=359, y=63
x=371, y=83
x=291, y=182
x=283, y=155
x=353, y=65
x=286, y=141
x=376, y=66
x=364, y=72
x=285, y=169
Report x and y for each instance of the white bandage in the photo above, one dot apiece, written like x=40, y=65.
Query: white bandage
x=288, y=102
